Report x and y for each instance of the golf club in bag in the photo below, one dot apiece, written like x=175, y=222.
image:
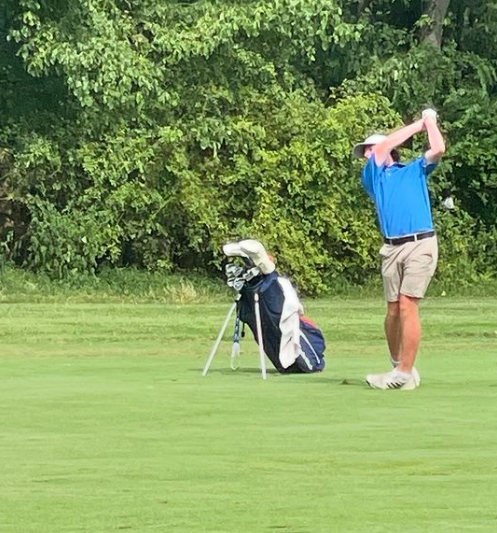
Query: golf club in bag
x=269, y=305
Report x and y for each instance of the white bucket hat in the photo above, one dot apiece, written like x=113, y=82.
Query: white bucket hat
x=376, y=138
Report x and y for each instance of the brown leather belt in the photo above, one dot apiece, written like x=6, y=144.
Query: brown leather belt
x=410, y=238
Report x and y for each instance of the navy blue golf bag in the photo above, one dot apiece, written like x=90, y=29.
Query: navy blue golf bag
x=293, y=343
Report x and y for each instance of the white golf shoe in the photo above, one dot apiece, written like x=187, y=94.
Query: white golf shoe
x=392, y=380
x=415, y=373
x=416, y=376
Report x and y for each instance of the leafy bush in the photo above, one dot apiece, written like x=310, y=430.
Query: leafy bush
x=148, y=134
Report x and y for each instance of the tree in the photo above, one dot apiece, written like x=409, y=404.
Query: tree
x=434, y=11
x=150, y=133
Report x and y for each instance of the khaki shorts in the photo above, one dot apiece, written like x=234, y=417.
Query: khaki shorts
x=408, y=268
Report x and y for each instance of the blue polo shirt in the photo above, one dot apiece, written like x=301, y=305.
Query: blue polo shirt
x=400, y=193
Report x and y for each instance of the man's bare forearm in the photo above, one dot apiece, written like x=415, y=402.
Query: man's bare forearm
x=437, y=143
x=383, y=149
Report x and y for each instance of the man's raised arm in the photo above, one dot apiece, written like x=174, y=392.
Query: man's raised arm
x=437, y=143
x=396, y=138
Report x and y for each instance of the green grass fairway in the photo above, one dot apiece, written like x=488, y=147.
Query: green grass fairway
x=106, y=424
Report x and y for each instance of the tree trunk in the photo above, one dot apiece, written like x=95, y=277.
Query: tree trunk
x=436, y=11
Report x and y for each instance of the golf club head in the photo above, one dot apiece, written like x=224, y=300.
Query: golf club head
x=233, y=272
x=237, y=275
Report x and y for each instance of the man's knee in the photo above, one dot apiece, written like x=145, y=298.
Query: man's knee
x=393, y=310
x=408, y=305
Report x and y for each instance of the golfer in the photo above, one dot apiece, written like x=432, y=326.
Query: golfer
x=410, y=251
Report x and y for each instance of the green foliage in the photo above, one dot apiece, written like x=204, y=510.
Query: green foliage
x=150, y=133
x=464, y=248
x=119, y=285
x=67, y=243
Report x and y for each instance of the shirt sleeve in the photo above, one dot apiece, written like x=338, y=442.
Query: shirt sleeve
x=426, y=168
x=370, y=175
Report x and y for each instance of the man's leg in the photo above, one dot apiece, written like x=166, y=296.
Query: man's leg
x=402, y=326
x=392, y=273
x=410, y=326
x=393, y=330
x=420, y=263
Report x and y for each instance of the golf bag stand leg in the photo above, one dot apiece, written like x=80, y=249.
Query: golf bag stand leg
x=218, y=340
x=236, y=348
x=259, y=336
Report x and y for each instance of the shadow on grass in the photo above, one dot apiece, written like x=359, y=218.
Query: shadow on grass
x=239, y=371
x=343, y=381
x=274, y=373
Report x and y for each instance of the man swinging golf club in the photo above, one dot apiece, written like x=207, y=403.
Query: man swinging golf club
x=410, y=251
